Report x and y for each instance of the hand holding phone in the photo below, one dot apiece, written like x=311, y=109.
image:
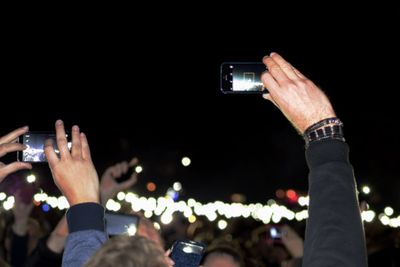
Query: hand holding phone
x=186, y=253
x=242, y=77
x=34, y=142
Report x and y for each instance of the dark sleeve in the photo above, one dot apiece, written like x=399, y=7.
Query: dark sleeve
x=334, y=232
x=19, y=249
x=42, y=256
x=86, y=233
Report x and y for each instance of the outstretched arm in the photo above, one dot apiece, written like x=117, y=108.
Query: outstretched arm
x=334, y=233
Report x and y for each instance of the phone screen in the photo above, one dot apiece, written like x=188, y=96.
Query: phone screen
x=121, y=224
x=242, y=77
x=187, y=253
x=34, y=142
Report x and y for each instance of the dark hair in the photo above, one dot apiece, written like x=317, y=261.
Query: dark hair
x=224, y=250
x=125, y=251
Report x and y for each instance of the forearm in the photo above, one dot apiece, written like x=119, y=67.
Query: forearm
x=334, y=233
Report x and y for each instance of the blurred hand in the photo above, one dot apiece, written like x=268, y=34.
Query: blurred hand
x=292, y=241
x=109, y=186
x=56, y=240
x=299, y=99
x=73, y=173
x=168, y=260
x=8, y=144
x=21, y=211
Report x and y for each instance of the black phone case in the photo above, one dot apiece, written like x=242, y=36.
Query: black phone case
x=185, y=259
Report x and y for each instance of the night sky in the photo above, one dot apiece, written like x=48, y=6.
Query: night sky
x=152, y=91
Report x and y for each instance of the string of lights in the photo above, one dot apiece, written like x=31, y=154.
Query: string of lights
x=165, y=207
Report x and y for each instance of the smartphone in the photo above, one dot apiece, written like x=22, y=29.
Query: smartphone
x=275, y=232
x=34, y=142
x=242, y=77
x=186, y=253
x=121, y=224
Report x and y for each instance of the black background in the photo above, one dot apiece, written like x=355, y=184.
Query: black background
x=149, y=86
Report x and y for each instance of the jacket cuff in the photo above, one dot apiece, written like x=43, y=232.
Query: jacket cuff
x=86, y=216
x=321, y=152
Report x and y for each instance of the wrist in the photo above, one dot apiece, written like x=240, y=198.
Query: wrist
x=329, y=128
x=56, y=242
x=75, y=200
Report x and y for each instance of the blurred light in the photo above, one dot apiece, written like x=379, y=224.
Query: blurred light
x=276, y=217
x=394, y=222
x=280, y=193
x=211, y=216
x=45, y=207
x=388, y=211
x=130, y=197
x=151, y=186
x=52, y=201
x=31, y=178
x=138, y=169
x=2, y=196
x=157, y=225
x=188, y=249
x=166, y=218
x=62, y=203
x=384, y=219
x=191, y=202
x=7, y=205
x=291, y=195
x=132, y=229
x=366, y=190
x=148, y=214
x=177, y=186
x=113, y=205
x=222, y=224
x=11, y=199
x=303, y=201
x=192, y=219
x=368, y=215
x=186, y=161
x=121, y=196
x=173, y=194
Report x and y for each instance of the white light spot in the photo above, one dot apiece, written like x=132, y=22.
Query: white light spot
x=186, y=161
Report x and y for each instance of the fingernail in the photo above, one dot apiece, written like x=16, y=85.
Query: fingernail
x=25, y=128
x=273, y=53
x=75, y=128
x=265, y=57
x=83, y=134
x=59, y=122
x=24, y=147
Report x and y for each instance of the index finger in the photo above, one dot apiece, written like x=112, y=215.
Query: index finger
x=273, y=67
x=285, y=66
x=62, y=142
x=10, y=137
